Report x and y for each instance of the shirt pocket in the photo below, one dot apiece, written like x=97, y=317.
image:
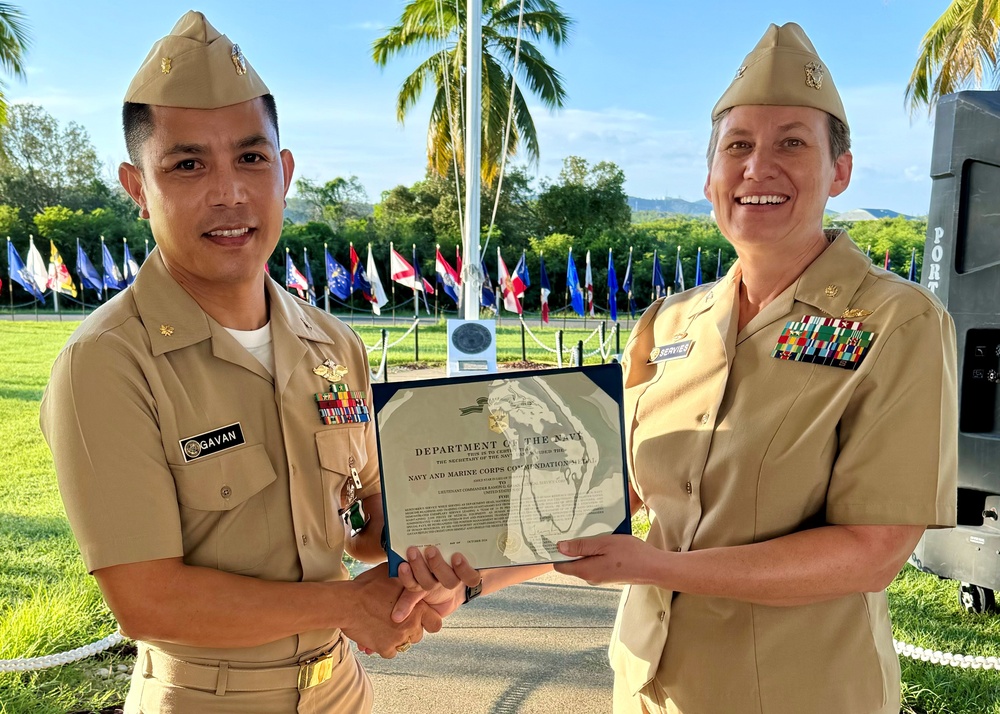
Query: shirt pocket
x=224, y=509
x=340, y=450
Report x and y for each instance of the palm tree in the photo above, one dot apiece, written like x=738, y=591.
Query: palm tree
x=13, y=47
x=960, y=49
x=440, y=26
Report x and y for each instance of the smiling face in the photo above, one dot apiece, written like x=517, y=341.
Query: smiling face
x=771, y=175
x=212, y=185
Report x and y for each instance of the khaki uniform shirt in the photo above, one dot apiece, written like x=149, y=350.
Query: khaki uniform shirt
x=150, y=370
x=731, y=446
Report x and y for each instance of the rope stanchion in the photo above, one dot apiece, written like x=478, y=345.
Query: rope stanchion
x=945, y=658
x=32, y=664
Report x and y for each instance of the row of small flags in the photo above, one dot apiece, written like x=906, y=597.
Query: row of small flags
x=36, y=278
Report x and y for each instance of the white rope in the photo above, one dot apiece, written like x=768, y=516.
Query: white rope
x=603, y=349
x=537, y=341
x=592, y=335
x=946, y=658
x=31, y=664
x=380, y=372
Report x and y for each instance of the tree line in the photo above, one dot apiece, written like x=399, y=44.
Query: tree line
x=53, y=187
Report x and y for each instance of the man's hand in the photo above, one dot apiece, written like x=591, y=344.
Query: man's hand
x=428, y=577
x=373, y=628
x=608, y=559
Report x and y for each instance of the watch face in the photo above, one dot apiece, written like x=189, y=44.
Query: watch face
x=471, y=338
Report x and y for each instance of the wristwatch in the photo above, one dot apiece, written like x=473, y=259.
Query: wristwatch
x=474, y=591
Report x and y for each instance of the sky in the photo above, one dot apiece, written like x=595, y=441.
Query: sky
x=641, y=78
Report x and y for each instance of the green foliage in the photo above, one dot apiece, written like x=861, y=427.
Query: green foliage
x=14, y=43
x=900, y=236
x=585, y=200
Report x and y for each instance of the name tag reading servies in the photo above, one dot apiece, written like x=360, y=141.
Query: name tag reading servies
x=677, y=350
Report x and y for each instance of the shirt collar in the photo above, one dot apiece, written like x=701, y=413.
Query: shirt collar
x=833, y=278
x=174, y=320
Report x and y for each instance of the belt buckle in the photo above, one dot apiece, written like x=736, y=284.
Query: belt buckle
x=315, y=671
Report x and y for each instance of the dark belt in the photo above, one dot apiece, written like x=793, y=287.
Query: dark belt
x=222, y=678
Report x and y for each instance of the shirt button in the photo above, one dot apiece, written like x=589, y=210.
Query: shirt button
x=678, y=549
x=704, y=418
x=305, y=539
x=662, y=615
x=688, y=487
x=226, y=492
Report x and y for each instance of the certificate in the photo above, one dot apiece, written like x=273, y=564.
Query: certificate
x=501, y=468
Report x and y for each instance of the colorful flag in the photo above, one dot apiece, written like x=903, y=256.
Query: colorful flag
x=113, y=279
x=458, y=260
x=573, y=285
x=359, y=281
x=888, y=260
x=451, y=283
x=293, y=278
x=131, y=268
x=378, y=297
x=521, y=270
x=678, y=274
x=612, y=288
x=510, y=287
x=20, y=274
x=36, y=266
x=627, y=284
x=913, y=267
x=697, y=270
x=89, y=276
x=337, y=280
x=309, y=275
x=588, y=281
x=543, y=280
x=59, y=280
x=404, y=274
x=659, y=288
x=718, y=266
x=487, y=298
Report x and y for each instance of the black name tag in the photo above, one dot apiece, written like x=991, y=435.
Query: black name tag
x=212, y=442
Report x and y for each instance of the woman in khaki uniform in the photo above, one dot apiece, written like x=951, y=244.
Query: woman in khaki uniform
x=792, y=431
x=207, y=427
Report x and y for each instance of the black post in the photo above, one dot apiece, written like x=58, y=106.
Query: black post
x=385, y=355
x=416, y=341
x=603, y=337
x=618, y=339
x=559, y=347
x=579, y=353
x=524, y=351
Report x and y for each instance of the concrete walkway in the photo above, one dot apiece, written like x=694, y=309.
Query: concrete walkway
x=535, y=648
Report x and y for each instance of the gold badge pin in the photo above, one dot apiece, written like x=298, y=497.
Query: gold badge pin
x=832, y=290
x=855, y=312
x=166, y=330
x=330, y=371
x=739, y=72
x=678, y=337
x=499, y=421
x=814, y=75
x=165, y=65
x=239, y=61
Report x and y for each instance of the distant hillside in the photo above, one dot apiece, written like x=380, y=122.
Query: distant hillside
x=670, y=205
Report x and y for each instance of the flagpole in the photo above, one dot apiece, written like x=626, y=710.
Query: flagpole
x=541, y=255
x=437, y=292
x=351, y=243
x=473, y=139
x=104, y=275
x=83, y=287
x=326, y=290
x=416, y=303
x=146, y=241
x=392, y=283
x=10, y=281
x=286, y=268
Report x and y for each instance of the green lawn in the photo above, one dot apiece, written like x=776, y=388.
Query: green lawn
x=48, y=603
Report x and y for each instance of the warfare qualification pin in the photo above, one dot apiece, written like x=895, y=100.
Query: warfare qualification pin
x=330, y=371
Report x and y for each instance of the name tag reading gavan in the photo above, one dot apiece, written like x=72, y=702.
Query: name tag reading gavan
x=212, y=442
x=678, y=350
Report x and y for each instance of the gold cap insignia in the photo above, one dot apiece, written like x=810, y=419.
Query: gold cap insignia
x=330, y=371
x=814, y=75
x=832, y=290
x=165, y=65
x=166, y=330
x=499, y=422
x=239, y=61
x=855, y=312
x=739, y=72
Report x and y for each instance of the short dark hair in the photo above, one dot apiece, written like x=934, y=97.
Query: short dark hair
x=840, y=136
x=137, y=122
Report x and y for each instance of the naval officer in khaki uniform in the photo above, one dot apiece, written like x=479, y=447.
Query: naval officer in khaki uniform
x=792, y=431
x=207, y=427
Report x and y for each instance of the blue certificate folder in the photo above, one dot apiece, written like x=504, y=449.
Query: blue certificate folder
x=524, y=459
